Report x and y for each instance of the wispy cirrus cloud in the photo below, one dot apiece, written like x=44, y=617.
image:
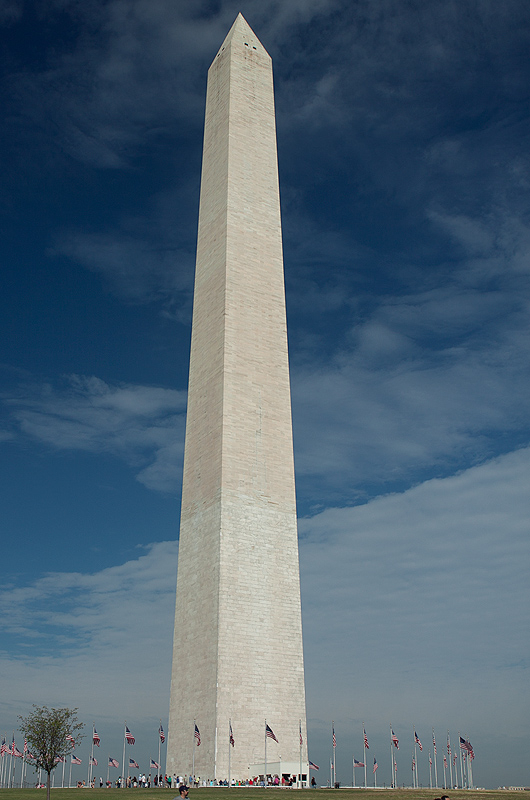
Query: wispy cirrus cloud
x=142, y=425
x=74, y=635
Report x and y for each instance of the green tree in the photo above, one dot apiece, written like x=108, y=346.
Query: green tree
x=46, y=730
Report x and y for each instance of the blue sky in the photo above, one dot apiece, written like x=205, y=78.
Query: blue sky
x=404, y=169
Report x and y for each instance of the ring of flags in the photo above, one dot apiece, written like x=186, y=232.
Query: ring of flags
x=451, y=759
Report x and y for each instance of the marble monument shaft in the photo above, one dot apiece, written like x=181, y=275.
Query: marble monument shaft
x=238, y=635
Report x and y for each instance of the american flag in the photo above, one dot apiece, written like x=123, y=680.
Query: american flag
x=367, y=746
x=154, y=765
x=395, y=740
x=162, y=734
x=128, y=735
x=448, y=747
x=96, y=738
x=312, y=765
x=30, y=756
x=269, y=733
x=445, y=761
x=93, y=761
x=132, y=763
x=416, y=739
x=466, y=745
x=358, y=763
x=113, y=762
x=16, y=752
x=375, y=766
x=231, y=735
x=59, y=760
x=433, y=743
x=430, y=760
x=454, y=759
x=197, y=735
x=301, y=740
x=3, y=747
x=334, y=737
x=70, y=738
x=75, y=759
x=413, y=764
x=25, y=745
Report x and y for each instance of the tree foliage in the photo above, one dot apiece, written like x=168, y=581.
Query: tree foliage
x=46, y=730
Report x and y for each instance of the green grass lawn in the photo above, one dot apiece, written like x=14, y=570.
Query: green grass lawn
x=256, y=793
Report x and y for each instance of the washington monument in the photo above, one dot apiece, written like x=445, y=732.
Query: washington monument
x=237, y=658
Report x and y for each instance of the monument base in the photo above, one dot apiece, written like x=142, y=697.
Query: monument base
x=288, y=770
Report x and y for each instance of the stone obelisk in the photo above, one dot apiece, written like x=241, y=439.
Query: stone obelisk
x=237, y=656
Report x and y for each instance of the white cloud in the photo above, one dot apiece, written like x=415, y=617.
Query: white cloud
x=143, y=425
x=101, y=642
x=357, y=424
x=415, y=609
x=135, y=268
x=433, y=378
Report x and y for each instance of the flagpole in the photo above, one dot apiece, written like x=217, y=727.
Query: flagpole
x=10, y=768
x=450, y=759
x=108, y=772
x=434, y=759
x=334, y=758
x=460, y=760
x=10, y=778
x=193, y=751
x=353, y=772
x=300, y=740
x=91, y=756
x=123, y=763
x=364, y=753
x=265, y=776
x=64, y=764
x=7, y=768
x=229, y=753
x=414, y=758
x=375, y=774
x=430, y=770
x=215, y=757
x=391, y=759
x=159, y=745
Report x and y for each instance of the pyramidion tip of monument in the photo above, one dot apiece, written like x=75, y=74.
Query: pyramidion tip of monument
x=241, y=33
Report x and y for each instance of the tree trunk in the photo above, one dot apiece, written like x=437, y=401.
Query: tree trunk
x=48, y=782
